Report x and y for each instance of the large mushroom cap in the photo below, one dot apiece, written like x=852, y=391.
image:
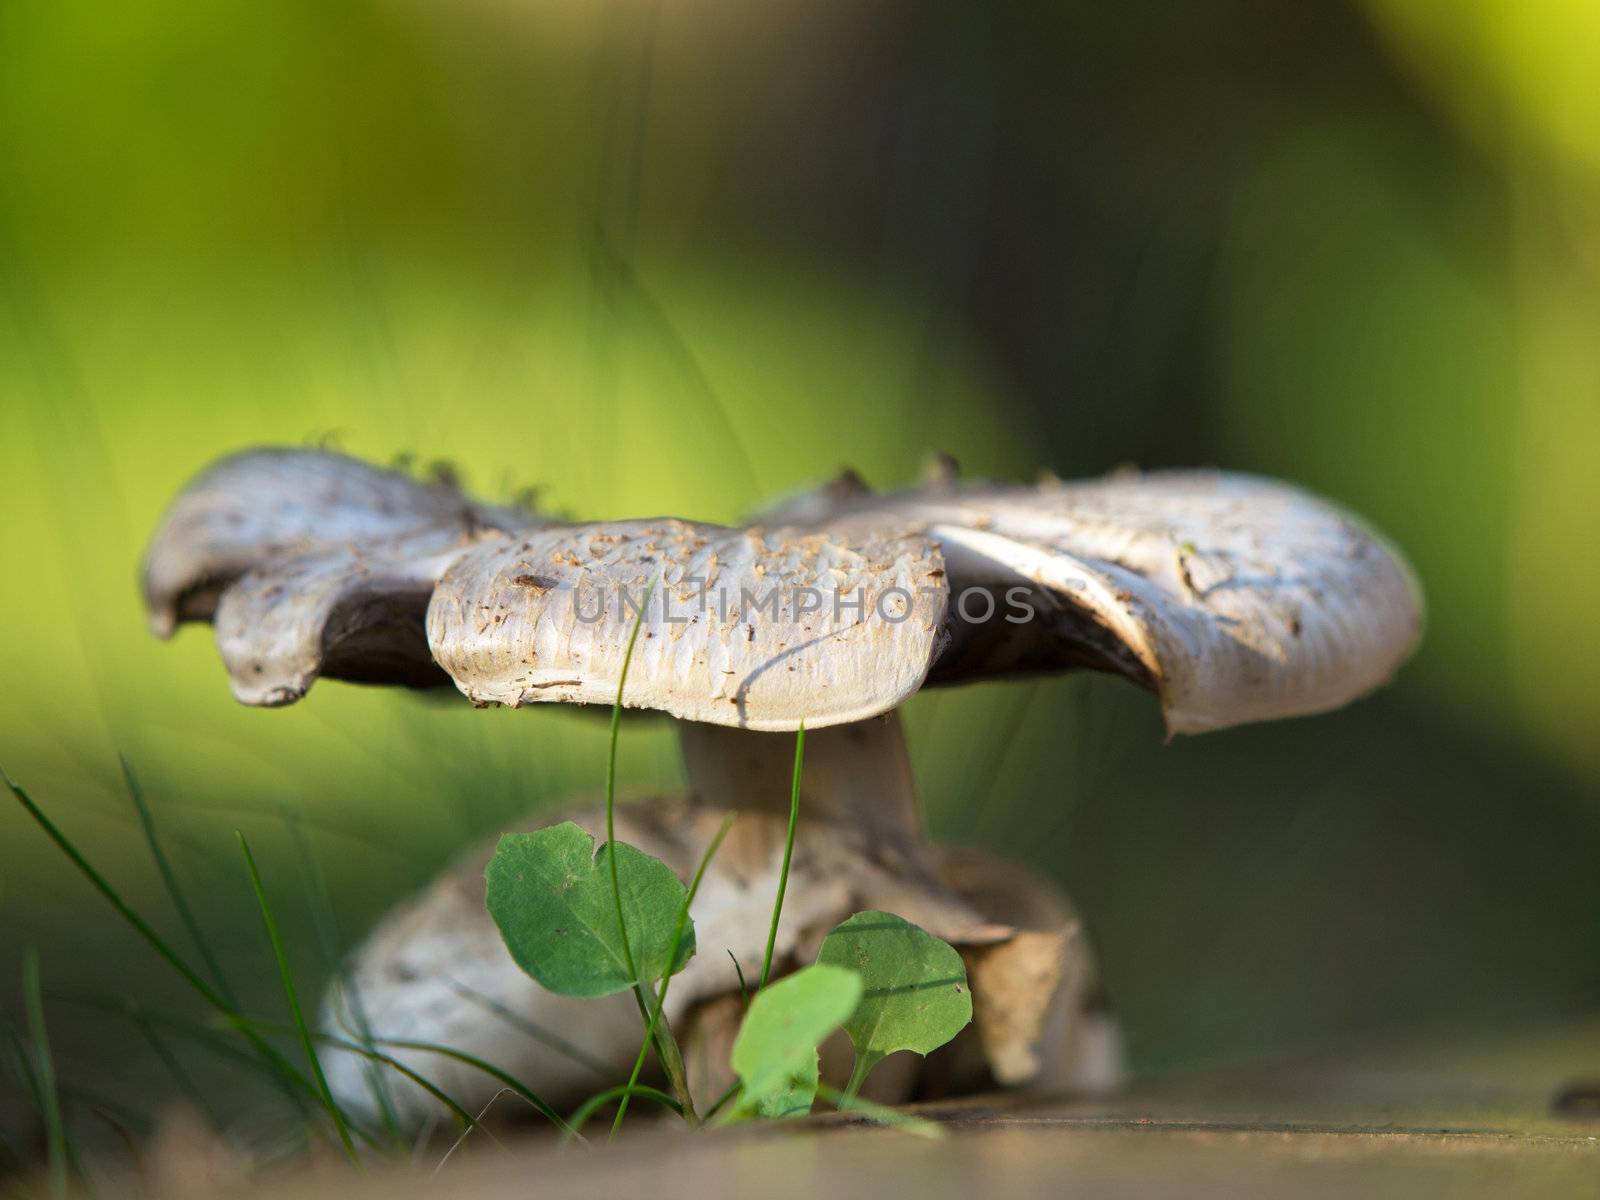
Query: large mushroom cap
x=1233, y=598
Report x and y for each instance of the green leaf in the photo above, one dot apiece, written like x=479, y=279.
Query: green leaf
x=915, y=986
x=775, y=1054
x=790, y=1098
x=550, y=894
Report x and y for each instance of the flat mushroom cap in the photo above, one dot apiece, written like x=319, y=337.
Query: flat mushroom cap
x=744, y=627
x=1234, y=598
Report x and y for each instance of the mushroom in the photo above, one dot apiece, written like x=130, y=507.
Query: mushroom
x=1231, y=598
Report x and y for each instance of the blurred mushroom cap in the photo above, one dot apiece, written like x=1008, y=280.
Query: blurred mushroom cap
x=259, y=506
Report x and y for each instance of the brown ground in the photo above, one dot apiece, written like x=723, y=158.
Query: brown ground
x=1415, y=1118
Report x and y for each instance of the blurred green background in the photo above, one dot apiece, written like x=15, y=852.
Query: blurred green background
x=674, y=257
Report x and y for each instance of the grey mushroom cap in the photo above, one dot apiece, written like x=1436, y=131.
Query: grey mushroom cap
x=253, y=508
x=1233, y=598
x=311, y=563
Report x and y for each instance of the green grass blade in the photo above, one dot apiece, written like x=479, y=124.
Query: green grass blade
x=881, y=1114
x=17, y=1059
x=122, y=1129
x=151, y=937
x=105, y=889
x=744, y=988
x=666, y=1048
x=316, y=884
x=191, y=924
x=293, y=996
x=214, y=1040
x=611, y=775
x=327, y=930
x=416, y=1077
x=107, y=1109
x=347, y=1008
x=788, y=855
x=169, y=879
x=593, y=1104
x=184, y=1081
x=489, y=1069
x=460, y=1056
x=529, y=1028
x=722, y=1100
x=672, y=956
x=44, y=1071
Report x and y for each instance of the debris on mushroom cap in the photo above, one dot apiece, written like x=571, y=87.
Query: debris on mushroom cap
x=259, y=505
x=1233, y=598
x=812, y=504
x=941, y=471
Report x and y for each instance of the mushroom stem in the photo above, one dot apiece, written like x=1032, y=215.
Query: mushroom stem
x=857, y=777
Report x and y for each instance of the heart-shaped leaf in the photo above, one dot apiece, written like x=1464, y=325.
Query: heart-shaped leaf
x=775, y=1054
x=550, y=894
x=915, y=994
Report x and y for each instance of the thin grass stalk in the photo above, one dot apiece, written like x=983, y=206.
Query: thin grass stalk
x=44, y=1070
x=335, y=1113
x=322, y=919
x=580, y=1116
x=282, y=1067
x=788, y=854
